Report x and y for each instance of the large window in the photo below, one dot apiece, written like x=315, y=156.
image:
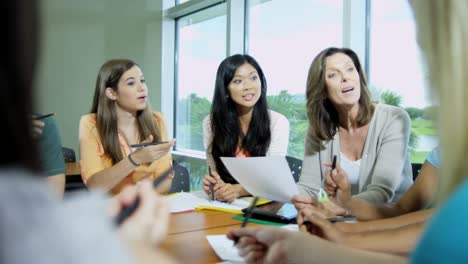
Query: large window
x=396, y=74
x=284, y=38
x=201, y=39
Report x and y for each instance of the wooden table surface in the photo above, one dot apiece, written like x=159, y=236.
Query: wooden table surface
x=187, y=241
x=72, y=168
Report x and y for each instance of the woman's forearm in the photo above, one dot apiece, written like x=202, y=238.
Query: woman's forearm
x=303, y=248
x=387, y=223
x=108, y=178
x=399, y=240
x=365, y=211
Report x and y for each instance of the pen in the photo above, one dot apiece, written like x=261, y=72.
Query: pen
x=43, y=116
x=211, y=185
x=147, y=144
x=334, y=162
x=344, y=218
x=128, y=210
x=247, y=216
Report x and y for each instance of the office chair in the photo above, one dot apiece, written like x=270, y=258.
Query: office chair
x=295, y=165
x=68, y=154
x=181, y=181
x=416, y=167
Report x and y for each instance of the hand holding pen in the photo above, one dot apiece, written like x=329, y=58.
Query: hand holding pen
x=38, y=124
x=211, y=183
x=128, y=208
x=247, y=217
x=337, y=185
x=149, y=151
x=150, y=220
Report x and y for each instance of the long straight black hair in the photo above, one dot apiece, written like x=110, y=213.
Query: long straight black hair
x=225, y=122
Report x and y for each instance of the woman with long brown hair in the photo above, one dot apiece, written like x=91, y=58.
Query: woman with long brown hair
x=120, y=117
x=369, y=139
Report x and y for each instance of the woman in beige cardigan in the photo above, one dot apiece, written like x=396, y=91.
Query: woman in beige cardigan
x=370, y=140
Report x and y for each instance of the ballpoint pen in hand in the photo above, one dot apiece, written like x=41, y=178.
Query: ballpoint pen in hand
x=128, y=210
x=147, y=144
x=43, y=116
x=212, y=195
x=247, y=216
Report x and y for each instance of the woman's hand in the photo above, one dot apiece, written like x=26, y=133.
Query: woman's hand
x=208, y=180
x=37, y=127
x=300, y=201
x=337, y=186
x=228, y=192
x=262, y=244
x=150, y=221
x=152, y=152
x=222, y=191
x=316, y=224
x=311, y=203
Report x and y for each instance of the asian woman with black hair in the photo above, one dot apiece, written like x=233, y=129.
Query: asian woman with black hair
x=240, y=123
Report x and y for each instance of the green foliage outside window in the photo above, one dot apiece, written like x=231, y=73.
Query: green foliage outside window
x=293, y=107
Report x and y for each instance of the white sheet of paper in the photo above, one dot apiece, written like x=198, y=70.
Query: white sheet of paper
x=224, y=248
x=183, y=201
x=268, y=177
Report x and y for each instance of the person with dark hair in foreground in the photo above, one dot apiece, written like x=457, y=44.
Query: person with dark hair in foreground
x=36, y=227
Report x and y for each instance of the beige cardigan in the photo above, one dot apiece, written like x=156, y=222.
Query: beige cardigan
x=385, y=172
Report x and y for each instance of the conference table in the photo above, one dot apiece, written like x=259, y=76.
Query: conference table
x=187, y=241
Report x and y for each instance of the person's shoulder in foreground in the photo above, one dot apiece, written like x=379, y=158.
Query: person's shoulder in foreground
x=37, y=228
x=445, y=238
x=51, y=148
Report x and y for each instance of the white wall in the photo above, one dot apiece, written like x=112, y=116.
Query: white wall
x=78, y=37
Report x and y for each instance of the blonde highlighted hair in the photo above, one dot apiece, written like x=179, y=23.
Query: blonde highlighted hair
x=443, y=36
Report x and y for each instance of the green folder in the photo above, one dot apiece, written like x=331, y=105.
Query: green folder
x=262, y=222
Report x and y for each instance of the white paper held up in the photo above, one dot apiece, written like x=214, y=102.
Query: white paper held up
x=268, y=177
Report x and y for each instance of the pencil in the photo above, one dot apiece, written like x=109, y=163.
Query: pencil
x=147, y=144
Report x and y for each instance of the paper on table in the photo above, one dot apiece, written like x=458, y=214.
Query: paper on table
x=268, y=177
x=198, y=200
x=224, y=248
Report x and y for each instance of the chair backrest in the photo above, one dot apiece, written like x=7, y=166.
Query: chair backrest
x=181, y=181
x=416, y=167
x=295, y=165
x=68, y=154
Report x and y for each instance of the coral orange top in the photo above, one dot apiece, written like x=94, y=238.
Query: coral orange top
x=93, y=159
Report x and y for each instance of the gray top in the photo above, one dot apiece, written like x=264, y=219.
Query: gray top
x=36, y=228
x=385, y=172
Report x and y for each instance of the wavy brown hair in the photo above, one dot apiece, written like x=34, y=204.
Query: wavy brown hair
x=106, y=116
x=323, y=117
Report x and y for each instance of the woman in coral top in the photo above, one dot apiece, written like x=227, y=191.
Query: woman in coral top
x=120, y=116
x=240, y=123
